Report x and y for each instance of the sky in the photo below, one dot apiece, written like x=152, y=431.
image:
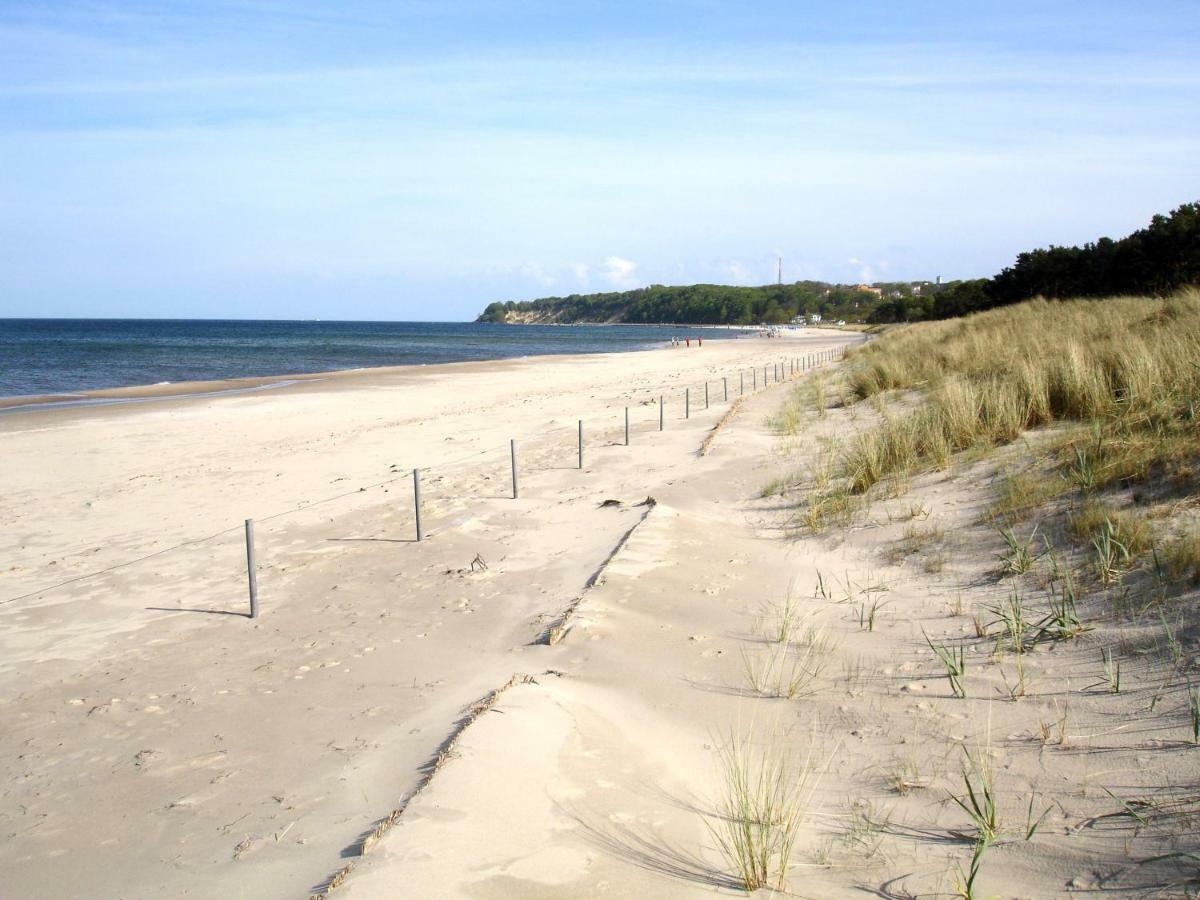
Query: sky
x=418, y=159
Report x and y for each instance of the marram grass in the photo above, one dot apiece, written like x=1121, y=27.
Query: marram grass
x=1128, y=366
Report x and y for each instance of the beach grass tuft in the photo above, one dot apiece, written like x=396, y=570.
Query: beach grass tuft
x=763, y=801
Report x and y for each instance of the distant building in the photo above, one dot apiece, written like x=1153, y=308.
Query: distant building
x=867, y=289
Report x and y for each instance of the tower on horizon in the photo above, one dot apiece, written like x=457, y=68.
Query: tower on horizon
x=779, y=272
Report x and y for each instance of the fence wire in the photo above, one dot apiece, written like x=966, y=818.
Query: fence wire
x=815, y=359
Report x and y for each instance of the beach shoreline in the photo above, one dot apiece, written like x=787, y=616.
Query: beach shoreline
x=192, y=390
x=139, y=690
x=535, y=698
x=287, y=352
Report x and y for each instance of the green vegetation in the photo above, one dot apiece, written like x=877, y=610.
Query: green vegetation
x=1156, y=260
x=954, y=660
x=1128, y=369
x=703, y=304
x=763, y=802
x=1104, y=395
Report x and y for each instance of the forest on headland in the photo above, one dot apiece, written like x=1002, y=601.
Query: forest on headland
x=1154, y=261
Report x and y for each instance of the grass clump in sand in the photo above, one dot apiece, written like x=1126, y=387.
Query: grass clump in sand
x=836, y=507
x=1019, y=493
x=979, y=803
x=763, y=801
x=787, y=671
x=953, y=660
x=915, y=540
x=780, y=620
x=1021, y=554
x=1181, y=555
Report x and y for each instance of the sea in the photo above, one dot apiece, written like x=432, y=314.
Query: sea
x=66, y=356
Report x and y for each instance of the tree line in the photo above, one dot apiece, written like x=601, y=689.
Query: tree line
x=1154, y=261
x=700, y=304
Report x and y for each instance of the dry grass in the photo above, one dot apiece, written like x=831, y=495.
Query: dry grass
x=763, y=802
x=1020, y=493
x=916, y=539
x=833, y=507
x=1095, y=518
x=819, y=394
x=779, y=486
x=785, y=670
x=1130, y=367
x=810, y=397
x=1182, y=555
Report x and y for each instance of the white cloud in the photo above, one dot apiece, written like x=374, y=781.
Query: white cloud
x=537, y=272
x=737, y=272
x=620, y=272
x=866, y=273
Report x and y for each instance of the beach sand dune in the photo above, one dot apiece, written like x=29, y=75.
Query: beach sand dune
x=600, y=775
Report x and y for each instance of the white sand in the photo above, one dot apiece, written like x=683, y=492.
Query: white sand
x=154, y=753
x=155, y=744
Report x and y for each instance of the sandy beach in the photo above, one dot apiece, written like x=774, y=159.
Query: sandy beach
x=158, y=743
x=534, y=700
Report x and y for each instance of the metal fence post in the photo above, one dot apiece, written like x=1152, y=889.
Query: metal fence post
x=627, y=426
x=725, y=387
x=706, y=395
x=581, y=443
x=512, y=446
x=687, y=403
x=417, y=500
x=250, y=569
x=660, y=412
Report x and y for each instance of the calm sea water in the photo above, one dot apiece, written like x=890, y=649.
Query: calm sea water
x=53, y=356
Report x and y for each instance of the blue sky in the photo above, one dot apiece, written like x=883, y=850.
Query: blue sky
x=417, y=160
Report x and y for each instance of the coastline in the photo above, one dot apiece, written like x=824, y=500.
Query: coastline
x=177, y=356
x=191, y=390
x=538, y=697
x=142, y=693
